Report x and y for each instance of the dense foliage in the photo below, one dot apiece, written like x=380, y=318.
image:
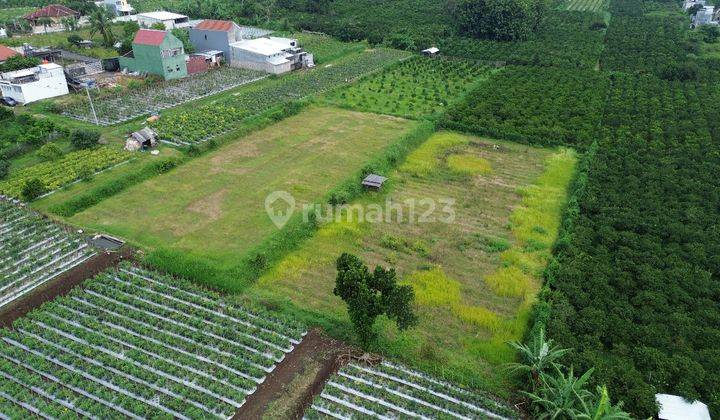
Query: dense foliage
x=22, y=133
x=501, y=20
x=547, y=106
x=19, y=62
x=565, y=39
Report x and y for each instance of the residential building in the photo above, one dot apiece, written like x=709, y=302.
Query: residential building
x=56, y=12
x=33, y=84
x=156, y=52
x=272, y=55
x=169, y=19
x=704, y=16
x=6, y=53
x=119, y=7
x=217, y=35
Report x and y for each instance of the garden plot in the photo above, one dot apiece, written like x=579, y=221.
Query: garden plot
x=33, y=250
x=199, y=124
x=136, y=344
x=393, y=391
x=587, y=5
x=113, y=108
x=414, y=88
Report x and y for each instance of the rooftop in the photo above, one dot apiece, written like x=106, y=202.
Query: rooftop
x=265, y=46
x=53, y=10
x=673, y=407
x=6, y=53
x=149, y=37
x=215, y=25
x=162, y=15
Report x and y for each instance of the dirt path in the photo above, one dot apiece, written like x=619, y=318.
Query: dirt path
x=61, y=285
x=290, y=388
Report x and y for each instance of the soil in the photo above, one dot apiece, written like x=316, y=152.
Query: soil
x=61, y=285
x=316, y=355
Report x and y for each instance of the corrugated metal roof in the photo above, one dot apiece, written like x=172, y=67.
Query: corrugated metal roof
x=149, y=37
x=162, y=15
x=215, y=25
x=374, y=180
x=264, y=46
x=673, y=407
x=53, y=10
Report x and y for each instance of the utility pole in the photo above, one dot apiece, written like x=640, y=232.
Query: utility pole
x=92, y=107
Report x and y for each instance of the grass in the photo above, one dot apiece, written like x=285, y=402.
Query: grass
x=587, y=5
x=325, y=48
x=212, y=208
x=11, y=13
x=464, y=324
x=59, y=40
x=418, y=87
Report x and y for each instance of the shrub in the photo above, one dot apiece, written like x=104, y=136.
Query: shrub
x=84, y=139
x=4, y=168
x=33, y=189
x=50, y=151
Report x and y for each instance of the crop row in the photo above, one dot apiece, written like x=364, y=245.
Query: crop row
x=33, y=250
x=587, y=5
x=207, y=121
x=71, y=167
x=115, y=108
x=136, y=344
x=393, y=391
x=416, y=87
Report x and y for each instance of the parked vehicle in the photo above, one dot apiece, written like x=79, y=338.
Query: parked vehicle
x=8, y=101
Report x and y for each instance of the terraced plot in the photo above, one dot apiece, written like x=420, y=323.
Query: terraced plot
x=393, y=391
x=587, y=5
x=33, y=250
x=136, y=344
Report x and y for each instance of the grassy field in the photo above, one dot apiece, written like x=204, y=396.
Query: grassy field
x=475, y=278
x=14, y=12
x=59, y=40
x=417, y=87
x=213, y=206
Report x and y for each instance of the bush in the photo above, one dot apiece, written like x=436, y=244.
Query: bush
x=84, y=139
x=33, y=189
x=50, y=151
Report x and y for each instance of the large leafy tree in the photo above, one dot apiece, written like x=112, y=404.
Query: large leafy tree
x=369, y=295
x=502, y=20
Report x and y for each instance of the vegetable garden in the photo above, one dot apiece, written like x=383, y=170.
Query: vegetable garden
x=33, y=250
x=71, y=167
x=587, y=5
x=202, y=123
x=414, y=88
x=137, y=344
x=112, y=108
x=393, y=391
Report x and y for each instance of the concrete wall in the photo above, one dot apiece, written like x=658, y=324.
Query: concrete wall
x=211, y=40
x=247, y=60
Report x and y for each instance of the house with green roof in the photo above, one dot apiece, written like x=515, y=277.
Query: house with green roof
x=156, y=52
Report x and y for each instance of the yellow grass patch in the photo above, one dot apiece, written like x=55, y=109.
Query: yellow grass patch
x=425, y=159
x=467, y=164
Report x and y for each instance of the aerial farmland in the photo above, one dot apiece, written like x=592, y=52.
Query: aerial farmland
x=353, y=209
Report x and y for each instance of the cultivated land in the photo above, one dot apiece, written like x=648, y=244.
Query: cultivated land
x=213, y=206
x=474, y=278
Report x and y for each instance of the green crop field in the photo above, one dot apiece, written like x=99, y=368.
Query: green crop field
x=416, y=87
x=587, y=5
x=14, y=12
x=213, y=206
x=474, y=278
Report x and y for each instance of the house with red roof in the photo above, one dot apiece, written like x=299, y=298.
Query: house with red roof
x=56, y=12
x=156, y=52
x=6, y=53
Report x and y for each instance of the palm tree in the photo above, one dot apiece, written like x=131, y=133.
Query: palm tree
x=101, y=22
x=70, y=23
x=45, y=22
x=537, y=356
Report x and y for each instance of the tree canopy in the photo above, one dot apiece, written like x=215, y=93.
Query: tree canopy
x=502, y=20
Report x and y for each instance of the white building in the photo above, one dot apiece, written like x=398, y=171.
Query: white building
x=34, y=84
x=687, y=4
x=272, y=55
x=704, y=16
x=673, y=407
x=117, y=7
x=169, y=19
